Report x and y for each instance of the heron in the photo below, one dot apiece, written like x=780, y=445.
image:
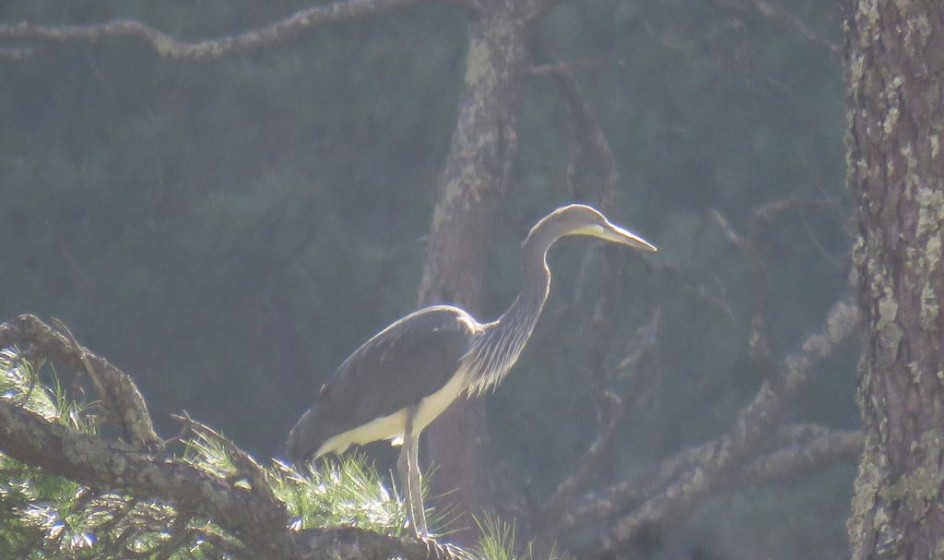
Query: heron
x=400, y=380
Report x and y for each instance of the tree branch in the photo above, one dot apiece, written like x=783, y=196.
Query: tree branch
x=682, y=481
x=355, y=543
x=16, y=54
x=115, y=466
x=752, y=247
x=272, y=35
x=790, y=452
x=252, y=514
x=244, y=464
x=123, y=400
x=791, y=461
x=578, y=479
x=790, y=21
x=784, y=19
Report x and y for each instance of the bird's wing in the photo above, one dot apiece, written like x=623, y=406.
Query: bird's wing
x=409, y=360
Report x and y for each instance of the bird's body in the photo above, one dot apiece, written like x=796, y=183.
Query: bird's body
x=400, y=380
x=433, y=339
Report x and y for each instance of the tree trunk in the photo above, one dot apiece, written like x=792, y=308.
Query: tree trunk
x=474, y=178
x=894, y=71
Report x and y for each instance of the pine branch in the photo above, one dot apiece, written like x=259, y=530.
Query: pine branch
x=119, y=393
x=113, y=465
x=254, y=522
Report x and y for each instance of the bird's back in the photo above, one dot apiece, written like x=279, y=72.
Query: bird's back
x=397, y=368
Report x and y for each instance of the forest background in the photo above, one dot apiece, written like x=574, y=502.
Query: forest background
x=228, y=231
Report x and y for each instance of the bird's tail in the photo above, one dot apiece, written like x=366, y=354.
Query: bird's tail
x=305, y=438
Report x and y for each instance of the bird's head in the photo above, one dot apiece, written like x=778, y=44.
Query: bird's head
x=579, y=219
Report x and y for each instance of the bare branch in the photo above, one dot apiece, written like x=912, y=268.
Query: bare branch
x=804, y=457
x=17, y=55
x=590, y=141
x=758, y=341
x=789, y=452
x=700, y=471
x=272, y=35
x=726, y=228
x=782, y=18
x=642, y=373
x=752, y=246
x=568, y=66
x=790, y=21
x=578, y=479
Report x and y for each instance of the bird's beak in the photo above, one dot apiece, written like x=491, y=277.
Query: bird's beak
x=616, y=234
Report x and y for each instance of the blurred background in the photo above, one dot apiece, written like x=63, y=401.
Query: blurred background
x=228, y=232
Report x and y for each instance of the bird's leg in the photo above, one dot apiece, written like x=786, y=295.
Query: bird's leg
x=403, y=471
x=411, y=479
x=416, y=486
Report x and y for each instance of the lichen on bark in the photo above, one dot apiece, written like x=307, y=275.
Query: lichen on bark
x=897, y=178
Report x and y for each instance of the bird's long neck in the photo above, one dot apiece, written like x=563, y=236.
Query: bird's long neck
x=535, y=287
x=502, y=341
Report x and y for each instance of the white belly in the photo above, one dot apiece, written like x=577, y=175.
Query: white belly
x=393, y=426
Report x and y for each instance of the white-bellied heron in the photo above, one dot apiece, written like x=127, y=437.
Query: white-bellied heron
x=400, y=380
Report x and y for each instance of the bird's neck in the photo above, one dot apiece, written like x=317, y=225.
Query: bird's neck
x=497, y=348
x=535, y=287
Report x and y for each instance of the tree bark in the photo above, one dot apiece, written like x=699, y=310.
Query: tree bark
x=475, y=176
x=894, y=73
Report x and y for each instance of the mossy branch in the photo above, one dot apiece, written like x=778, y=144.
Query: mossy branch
x=121, y=396
x=116, y=466
x=216, y=485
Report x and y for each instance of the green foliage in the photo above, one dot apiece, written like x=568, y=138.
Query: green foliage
x=20, y=382
x=500, y=542
x=48, y=517
x=343, y=492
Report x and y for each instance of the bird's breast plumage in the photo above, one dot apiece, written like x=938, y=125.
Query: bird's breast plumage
x=493, y=353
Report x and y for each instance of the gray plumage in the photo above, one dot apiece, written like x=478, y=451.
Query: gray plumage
x=380, y=378
x=400, y=380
